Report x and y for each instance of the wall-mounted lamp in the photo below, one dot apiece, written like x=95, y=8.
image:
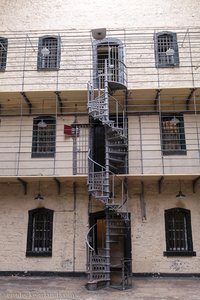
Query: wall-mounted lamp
x=99, y=33
x=42, y=124
x=170, y=52
x=39, y=197
x=45, y=51
x=180, y=194
x=174, y=120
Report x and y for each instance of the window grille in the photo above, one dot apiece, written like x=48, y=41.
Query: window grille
x=49, y=53
x=44, y=136
x=80, y=149
x=40, y=227
x=3, y=53
x=166, y=49
x=178, y=232
x=173, y=134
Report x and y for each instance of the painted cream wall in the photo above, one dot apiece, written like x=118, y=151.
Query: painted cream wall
x=70, y=223
x=129, y=21
x=148, y=236
x=16, y=148
x=76, y=61
x=145, y=155
x=47, y=15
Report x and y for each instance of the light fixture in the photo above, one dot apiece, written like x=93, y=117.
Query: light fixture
x=180, y=194
x=174, y=120
x=99, y=33
x=45, y=51
x=39, y=197
x=170, y=52
x=42, y=124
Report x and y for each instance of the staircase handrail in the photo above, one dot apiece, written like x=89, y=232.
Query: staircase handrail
x=89, y=157
x=87, y=235
x=111, y=173
x=118, y=64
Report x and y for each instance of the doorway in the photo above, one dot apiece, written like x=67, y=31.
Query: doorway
x=120, y=241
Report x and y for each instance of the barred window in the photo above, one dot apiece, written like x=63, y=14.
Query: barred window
x=49, y=53
x=44, y=137
x=3, y=53
x=173, y=134
x=40, y=231
x=166, y=49
x=178, y=232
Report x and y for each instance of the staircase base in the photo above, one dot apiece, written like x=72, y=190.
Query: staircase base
x=97, y=284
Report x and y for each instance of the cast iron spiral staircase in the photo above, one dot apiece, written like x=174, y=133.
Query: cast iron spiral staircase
x=102, y=183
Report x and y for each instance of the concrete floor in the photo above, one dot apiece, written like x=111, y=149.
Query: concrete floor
x=55, y=288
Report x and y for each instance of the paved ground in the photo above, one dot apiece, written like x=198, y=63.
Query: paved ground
x=51, y=288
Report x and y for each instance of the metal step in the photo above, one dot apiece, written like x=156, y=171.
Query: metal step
x=115, y=129
x=115, y=137
x=117, y=152
x=113, y=206
x=116, y=160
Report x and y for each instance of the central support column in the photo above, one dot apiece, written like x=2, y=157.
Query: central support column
x=107, y=189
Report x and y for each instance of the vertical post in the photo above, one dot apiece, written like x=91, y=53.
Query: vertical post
x=107, y=252
x=106, y=104
x=107, y=242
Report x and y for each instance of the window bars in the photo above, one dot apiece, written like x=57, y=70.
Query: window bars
x=3, y=53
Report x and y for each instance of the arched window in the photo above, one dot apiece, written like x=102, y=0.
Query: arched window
x=3, y=53
x=178, y=232
x=49, y=52
x=40, y=231
x=112, y=50
x=166, y=49
x=44, y=137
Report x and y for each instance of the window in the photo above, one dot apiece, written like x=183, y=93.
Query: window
x=44, y=136
x=40, y=230
x=166, y=49
x=3, y=53
x=111, y=50
x=173, y=134
x=178, y=232
x=49, y=53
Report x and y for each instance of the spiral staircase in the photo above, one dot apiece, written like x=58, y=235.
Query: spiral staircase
x=104, y=182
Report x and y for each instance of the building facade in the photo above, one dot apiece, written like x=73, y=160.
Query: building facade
x=99, y=140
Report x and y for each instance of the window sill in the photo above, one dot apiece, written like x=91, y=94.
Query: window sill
x=169, y=153
x=167, y=66
x=41, y=155
x=179, y=253
x=48, y=69
x=36, y=254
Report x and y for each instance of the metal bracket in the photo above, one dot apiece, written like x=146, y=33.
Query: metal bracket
x=156, y=99
x=142, y=202
x=24, y=184
x=27, y=101
x=189, y=98
x=194, y=183
x=160, y=183
x=59, y=101
x=58, y=184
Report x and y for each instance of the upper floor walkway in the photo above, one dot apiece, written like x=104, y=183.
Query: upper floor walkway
x=67, y=59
